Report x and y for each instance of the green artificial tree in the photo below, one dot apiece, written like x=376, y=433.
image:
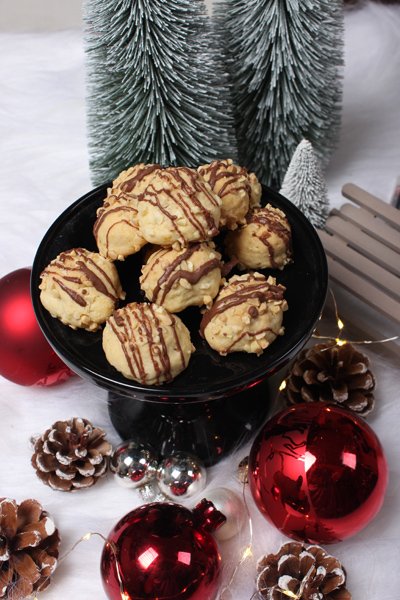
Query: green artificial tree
x=284, y=59
x=304, y=184
x=156, y=91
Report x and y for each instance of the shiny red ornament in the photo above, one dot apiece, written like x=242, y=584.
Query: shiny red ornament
x=25, y=356
x=318, y=473
x=163, y=551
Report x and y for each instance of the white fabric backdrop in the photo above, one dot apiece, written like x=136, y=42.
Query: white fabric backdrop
x=44, y=168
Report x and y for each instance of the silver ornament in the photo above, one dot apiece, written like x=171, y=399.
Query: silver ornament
x=150, y=492
x=133, y=464
x=232, y=508
x=181, y=476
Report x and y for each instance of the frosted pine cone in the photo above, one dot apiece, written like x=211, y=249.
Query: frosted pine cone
x=331, y=373
x=71, y=455
x=29, y=545
x=301, y=572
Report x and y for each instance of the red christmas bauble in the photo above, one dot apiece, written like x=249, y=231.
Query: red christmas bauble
x=318, y=473
x=163, y=550
x=25, y=356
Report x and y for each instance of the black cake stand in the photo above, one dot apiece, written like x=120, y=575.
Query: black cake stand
x=218, y=402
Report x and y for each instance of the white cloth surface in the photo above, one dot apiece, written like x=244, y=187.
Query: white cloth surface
x=44, y=168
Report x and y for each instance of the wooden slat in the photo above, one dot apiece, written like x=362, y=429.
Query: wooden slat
x=370, y=224
x=372, y=203
x=339, y=250
x=364, y=290
x=376, y=251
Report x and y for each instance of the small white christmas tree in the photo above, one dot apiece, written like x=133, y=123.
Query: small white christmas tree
x=304, y=184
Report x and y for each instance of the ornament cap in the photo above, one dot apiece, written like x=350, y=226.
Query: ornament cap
x=207, y=516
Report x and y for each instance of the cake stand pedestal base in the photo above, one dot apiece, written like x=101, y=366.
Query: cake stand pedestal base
x=208, y=429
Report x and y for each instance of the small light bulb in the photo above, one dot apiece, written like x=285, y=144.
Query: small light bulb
x=283, y=385
x=340, y=324
x=247, y=552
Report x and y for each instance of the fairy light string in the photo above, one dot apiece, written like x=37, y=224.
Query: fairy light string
x=85, y=538
x=247, y=551
x=338, y=339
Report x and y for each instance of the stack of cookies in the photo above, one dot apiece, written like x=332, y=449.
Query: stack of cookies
x=188, y=220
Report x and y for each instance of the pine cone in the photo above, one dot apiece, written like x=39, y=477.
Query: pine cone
x=306, y=572
x=331, y=373
x=243, y=470
x=71, y=455
x=29, y=545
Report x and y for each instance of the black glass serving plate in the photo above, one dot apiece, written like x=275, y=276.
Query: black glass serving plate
x=209, y=376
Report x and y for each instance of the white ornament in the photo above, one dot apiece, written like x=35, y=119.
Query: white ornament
x=305, y=185
x=232, y=508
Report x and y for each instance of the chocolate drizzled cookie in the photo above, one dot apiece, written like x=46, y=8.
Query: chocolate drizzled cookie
x=246, y=315
x=264, y=242
x=178, y=207
x=146, y=343
x=80, y=288
x=177, y=279
x=238, y=189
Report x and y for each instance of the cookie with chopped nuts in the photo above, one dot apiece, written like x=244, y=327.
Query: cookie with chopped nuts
x=246, y=316
x=146, y=343
x=177, y=279
x=264, y=242
x=177, y=208
x=238, y=189
x=116, y=228
x=81, y=288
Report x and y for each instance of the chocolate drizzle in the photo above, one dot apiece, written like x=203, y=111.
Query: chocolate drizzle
x=242, y=291
x=121, y=324
x=71, y=293
x=228, y=266
x=142, y=172
x=100, y=281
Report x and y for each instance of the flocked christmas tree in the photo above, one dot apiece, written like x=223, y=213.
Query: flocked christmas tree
x=304, y=184
x=285, y=59
x=156, y=92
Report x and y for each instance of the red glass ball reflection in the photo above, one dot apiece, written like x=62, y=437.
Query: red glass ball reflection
x=159, y=551
x=318, y=473
x=25, y=356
